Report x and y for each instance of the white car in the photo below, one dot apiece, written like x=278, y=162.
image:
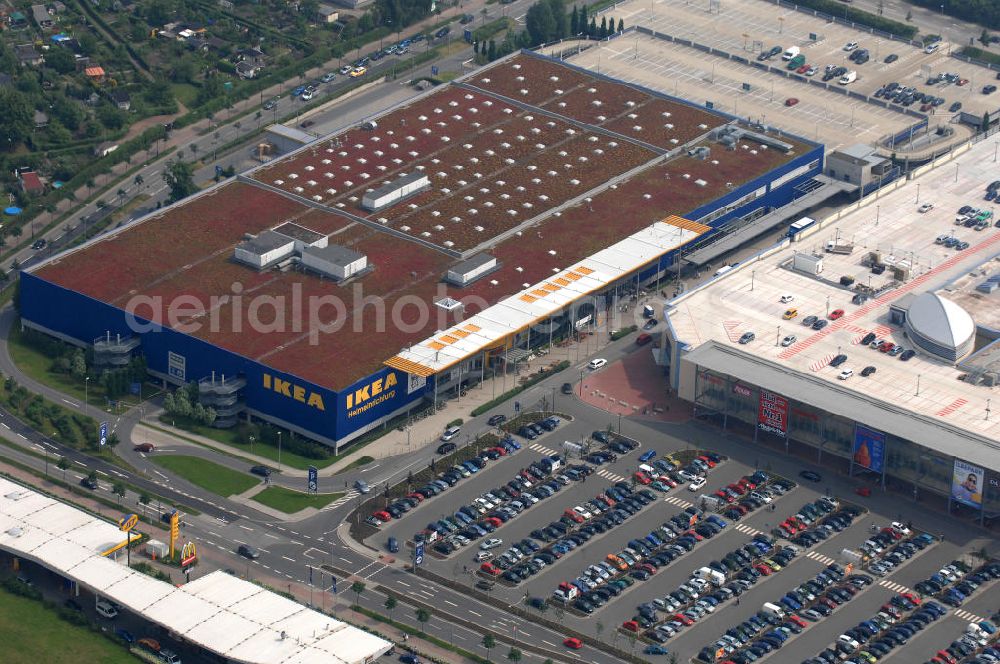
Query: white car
x=582, y=512
x=848, y=641
x=785, y=299
x=597, y=363
x=762, y=497
x=690, y=477
x=845, y=374
x=899, y=527
x=491, y=543
x=850, y=46
x=926, y=207
x=788, y=341
x=697, y=483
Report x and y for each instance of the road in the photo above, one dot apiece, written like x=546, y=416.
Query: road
x=928, y=20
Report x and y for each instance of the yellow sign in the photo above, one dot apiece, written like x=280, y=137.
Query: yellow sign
x=175, y=521
x=128, y=522
x=293, y=391
x=189, y=554
x=372, y=394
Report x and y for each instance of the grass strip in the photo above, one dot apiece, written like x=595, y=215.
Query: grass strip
x=208, y=475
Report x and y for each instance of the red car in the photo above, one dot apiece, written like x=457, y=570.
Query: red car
x=643, y=478
x=383, y=516
x=144, y=447
x=747, y=484
x=682, y=619
x=490, y=568
x=493, y=521
x=803, y=69
x=737, y=488
x=630, y=625
x=573, y=642
x=798, y=621
x=945, y=657
x=836, y=313
x=763, y=569
x=791, y=101
x=863, y=491
x=886, y=346
x=707, y=461
x=416, y=496
x=574, y=516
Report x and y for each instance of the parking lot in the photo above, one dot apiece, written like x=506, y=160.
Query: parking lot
x=748, y=27
x=607, y=620
x=822, y=116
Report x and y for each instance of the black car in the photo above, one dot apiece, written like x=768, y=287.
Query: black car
x=907, y=354
x=838, y=360
x=442, y=32
x=263, y=471
x=811, y=476
x=820, y=324
x=445, y=448
x=601, y=436
x=496, y=419
x=650, y=324
x=868, y=338
x=567, y=388
x=868, y=371
x=88, y=483
x=248, y=551
x=889, y=59
x=809, y=320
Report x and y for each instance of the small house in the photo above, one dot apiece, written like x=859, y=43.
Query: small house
x=30, y=183
x=17, y=20
x=41, y=120
x=327, y=14
x=95, y=74
x=121, y=99
x=27, y=55
x=42, y=17
x=246, y=70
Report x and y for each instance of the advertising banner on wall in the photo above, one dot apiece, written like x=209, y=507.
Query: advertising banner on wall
x=967, y=484
x=772, y=414
x=869, y=448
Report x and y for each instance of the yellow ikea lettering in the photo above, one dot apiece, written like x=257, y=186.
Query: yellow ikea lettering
x=371, y=390
x=297, y=392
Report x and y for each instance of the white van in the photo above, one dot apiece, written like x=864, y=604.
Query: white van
x=722, y=270
x=713, y=576
x=849, y=78
x=773, y=610
x=106, y=609
x=450, y=433
x=791, y=53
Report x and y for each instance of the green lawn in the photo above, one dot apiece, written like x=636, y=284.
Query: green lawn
x=185, y=93
x=36, y=364
x=233, y=439
x=290, y=501
x=207, y=474
x=33, y=634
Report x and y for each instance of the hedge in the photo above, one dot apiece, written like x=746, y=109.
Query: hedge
x=839, y=9
x=624, y=332
x=537, y=378
x=980, y=54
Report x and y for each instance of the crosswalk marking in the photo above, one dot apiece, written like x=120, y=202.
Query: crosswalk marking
x=749, y=530
x=893, y=586
x=967, y=615
x=340, y=501
x=541, y=448
x=607, y=474
x=674, y=500
x=819, y=557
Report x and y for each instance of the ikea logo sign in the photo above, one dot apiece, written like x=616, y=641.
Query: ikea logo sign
x=293, y=391
x=378, y=391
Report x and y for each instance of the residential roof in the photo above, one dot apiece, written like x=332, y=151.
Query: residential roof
x=94, y=71
x=225, y=615
x=862, y=406
x=31, y=182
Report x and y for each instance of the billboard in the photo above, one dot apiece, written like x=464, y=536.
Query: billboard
x=869, y=448
x=772, y=414
x=967, y=484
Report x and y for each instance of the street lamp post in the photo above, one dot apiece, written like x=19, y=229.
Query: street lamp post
x=279, y=450
x=918, y=190
x=752, y=273
x=86, y=394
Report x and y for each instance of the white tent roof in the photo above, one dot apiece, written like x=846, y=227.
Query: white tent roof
x=940, y=320
x=236, y=619
x=535, y=303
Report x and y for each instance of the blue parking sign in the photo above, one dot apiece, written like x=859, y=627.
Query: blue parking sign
x=434, y=70
x=418, y=554
x=104, y=434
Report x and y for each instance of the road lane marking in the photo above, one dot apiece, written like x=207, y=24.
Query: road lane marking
x=271, y=536
x=451, y=604
x=245, y=527
x=404, y=583
x=79, y=463
x=479, y=615
x=291, y=560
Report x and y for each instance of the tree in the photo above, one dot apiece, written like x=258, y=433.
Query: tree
x=112, y=441
x=144, y=500
x=63, y=465
x=390, y=605
x=92, y=476
x=592, y=28
x=78, y=365
x=489, y=643
x=984, y=39
x=574, y=21
x=60, y=60
x=491, y=53
x=603, y=32
x=357, y=588
x=179, y=176
x=514, y=655
x=169, y=403
x=423, y=617
x=138, y=180
x=582, y=23
x=121, y=195
x=16, y=117
x=621, y=25
x=118, y=488
x=986, y=122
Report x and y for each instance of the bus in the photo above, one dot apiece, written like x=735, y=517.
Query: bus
x=800, y=225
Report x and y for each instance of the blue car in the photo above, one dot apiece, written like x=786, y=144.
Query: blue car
x=721, y=523
x=655, y=650
x=298, y=91
x=646, y=456
x=125, y=635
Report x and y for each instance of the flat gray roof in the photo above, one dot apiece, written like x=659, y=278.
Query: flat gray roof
x=291, y=133
x=851, y=404
x=297, y=232
x=334, y=253
x=472, y=263
x=393, y=185
x=265, y=241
